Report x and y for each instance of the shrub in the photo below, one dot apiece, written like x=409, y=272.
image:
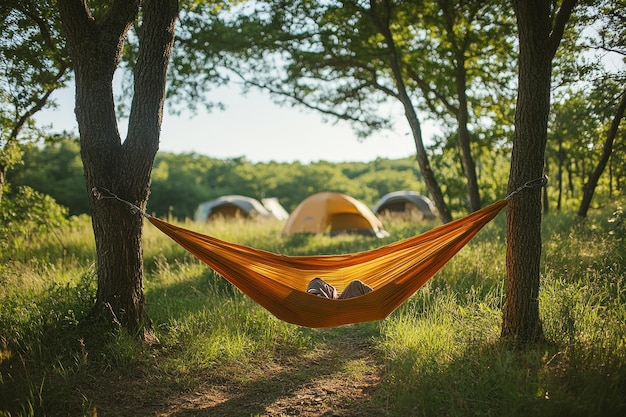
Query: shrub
x=27, y=216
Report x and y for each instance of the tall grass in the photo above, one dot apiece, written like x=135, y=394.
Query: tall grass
x=442, y=350
x=439, y=353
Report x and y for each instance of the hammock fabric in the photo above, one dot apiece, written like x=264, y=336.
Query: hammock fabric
x=278, y=282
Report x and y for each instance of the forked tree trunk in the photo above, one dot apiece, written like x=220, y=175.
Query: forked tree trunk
x=123, y=168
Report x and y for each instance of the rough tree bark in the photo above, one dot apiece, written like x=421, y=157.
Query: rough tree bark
x=539, y=39
x=123, y=167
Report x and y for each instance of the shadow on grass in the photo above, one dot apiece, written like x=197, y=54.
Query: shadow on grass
x=302, y=388
x=497, y=380
x=324, y=372
x=191, y=295
x=337, y=377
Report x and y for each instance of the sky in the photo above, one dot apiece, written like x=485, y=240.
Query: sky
x=252, y=126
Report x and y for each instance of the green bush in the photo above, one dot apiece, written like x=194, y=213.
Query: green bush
x=26, y=216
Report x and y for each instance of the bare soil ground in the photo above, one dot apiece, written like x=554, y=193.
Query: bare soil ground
x=336, y=379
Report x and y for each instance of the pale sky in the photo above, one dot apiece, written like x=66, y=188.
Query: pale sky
x=254, y=127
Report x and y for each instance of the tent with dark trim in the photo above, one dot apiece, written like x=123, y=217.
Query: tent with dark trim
x=231, y=206
x=333, y=213
x=406, y=203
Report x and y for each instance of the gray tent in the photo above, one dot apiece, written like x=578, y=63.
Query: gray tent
x=230, y=206
x=275, y=208
x=405, y=203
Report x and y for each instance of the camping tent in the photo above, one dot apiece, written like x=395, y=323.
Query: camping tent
x=273, y=206
x=230, y=206
x=333, y=212
x=406, y=203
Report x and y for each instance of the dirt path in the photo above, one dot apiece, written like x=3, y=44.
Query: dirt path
x=336, y=379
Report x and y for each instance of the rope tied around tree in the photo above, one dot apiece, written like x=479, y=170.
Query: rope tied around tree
x=536, y=183
x=101, y=193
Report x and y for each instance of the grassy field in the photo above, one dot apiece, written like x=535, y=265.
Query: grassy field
x=439, y=354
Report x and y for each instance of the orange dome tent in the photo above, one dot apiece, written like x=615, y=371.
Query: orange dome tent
x=334, y=213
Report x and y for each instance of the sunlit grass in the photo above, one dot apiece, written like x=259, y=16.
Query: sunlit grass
x=442, y=348
x=439, y=353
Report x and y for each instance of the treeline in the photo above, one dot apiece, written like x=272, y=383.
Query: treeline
x=181, y=181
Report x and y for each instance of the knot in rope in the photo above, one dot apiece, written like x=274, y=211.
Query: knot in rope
x=101, y=193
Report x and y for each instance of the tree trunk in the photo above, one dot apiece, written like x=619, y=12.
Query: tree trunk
x=121, y=167
x=422, y=157
x=560, y=158
x=538, y=42
x=3, y=176
x=611, y=181
x=464, y=135
x=591, y=184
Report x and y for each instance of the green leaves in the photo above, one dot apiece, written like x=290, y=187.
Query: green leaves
x=33, y=63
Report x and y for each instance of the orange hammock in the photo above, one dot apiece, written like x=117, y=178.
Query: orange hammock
x=278, y=282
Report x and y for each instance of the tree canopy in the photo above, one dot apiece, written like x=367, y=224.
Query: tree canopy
x=34, y=62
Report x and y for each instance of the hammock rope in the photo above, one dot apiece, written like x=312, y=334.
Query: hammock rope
x=278, y=282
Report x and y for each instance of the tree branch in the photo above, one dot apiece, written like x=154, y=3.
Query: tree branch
x=291, y=96
x=39, y=104
x=426, y=89
x=562, y=17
